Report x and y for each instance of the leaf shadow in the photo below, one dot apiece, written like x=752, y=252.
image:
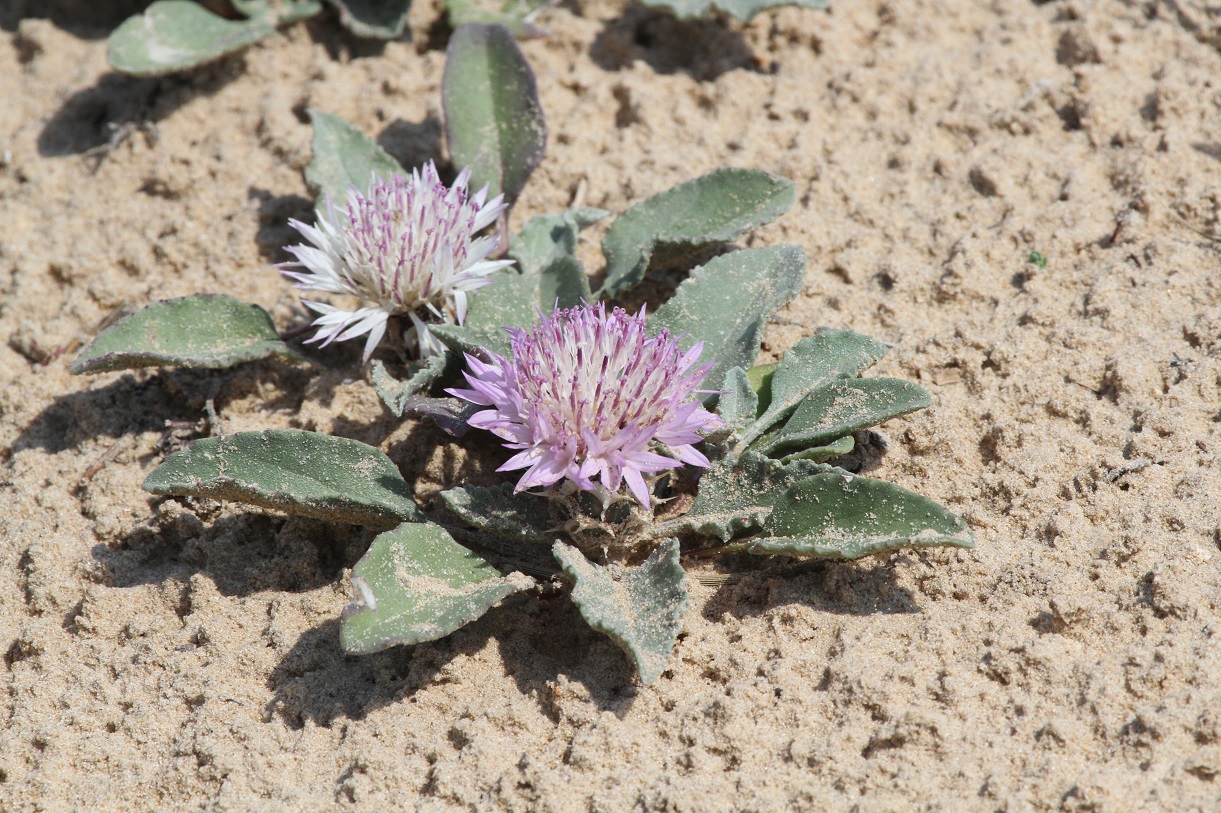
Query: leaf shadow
x=274, y=212
x=87, y=19
x=704, y=47
x=839, y=588
x=412, y=143
x=143, y=402
x=242, y=554
x=542, y=642
x=97, y=119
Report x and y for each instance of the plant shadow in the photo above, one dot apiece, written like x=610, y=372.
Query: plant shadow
x=99, y=118
x=146, y=403
x=242, y=554
x=541, y=640
x=704, y=48
x=838, y=588
x=87, y=19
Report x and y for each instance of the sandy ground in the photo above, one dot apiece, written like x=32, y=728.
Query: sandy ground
x=174, y=656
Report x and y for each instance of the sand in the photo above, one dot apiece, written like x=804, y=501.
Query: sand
x=171, y=655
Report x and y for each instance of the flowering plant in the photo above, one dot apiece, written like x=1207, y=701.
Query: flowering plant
x=641, y=444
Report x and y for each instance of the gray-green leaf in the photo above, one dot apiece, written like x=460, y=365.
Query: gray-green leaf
x=344, y=157
x=841, y=408
x=515, y=299
x=289, y=470
x=204, y=330
x=378, y=19
x=473, y=339
x=284, y=11
x=493, y=121
x=744, y=10
x=739, y=403
x=417, y=584
x=173, y=35
x=547, y=238
x=726, y=304
x=719, y=206
x=397, y=395
x=839, y=516
x=515, y=15
x=736, y=496
x=811, y=363
x=497, y=510
x=638, y=607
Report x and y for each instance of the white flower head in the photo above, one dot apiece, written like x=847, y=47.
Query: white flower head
x=408, y=247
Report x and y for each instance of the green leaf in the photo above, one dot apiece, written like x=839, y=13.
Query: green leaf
x=204, y=330
x=515, y=299
x=836, y=448
x=173, y=35
x=493, y=120
x=736, y=496
x=744, y=10
x=727, y=303
x=739, y=403
x=283, y=11
x=760, y=377
x=289, y=470
x=839, y=516
x=638, y=607
x=811, y=363
x=497, y=510
x=515, y=15
x=397, y=395
x=344, y=157
x=719, y=206
x=473, y=339
x=545, y=239
x=841, y=408
x=417, y=584
x=378, y=19
x=404, y=398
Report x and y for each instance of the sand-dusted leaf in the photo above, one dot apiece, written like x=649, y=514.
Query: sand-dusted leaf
x=736, y=496
x=204, y=330
x=493, y=121
x=760, y=377
x=811, y=363
x=719, y=206
x=840, y=516
x=836, y=448
x=546, y=238
x=726, y=304
x=473, y=339
x=173, y=35
x=497, y=510
x=289, y=470
x=417, y=584
x=515, y=15
x=377, y=19
x=515, y=299
x=395, y=394
x=406, y=398
x=841, y=408
x=738, y=403
x=284, y=11
x=344, y=157
x=638, y=607
x=744, y=10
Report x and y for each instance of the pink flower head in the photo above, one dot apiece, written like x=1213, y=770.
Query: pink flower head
x=587, y=395
x=408, y=247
